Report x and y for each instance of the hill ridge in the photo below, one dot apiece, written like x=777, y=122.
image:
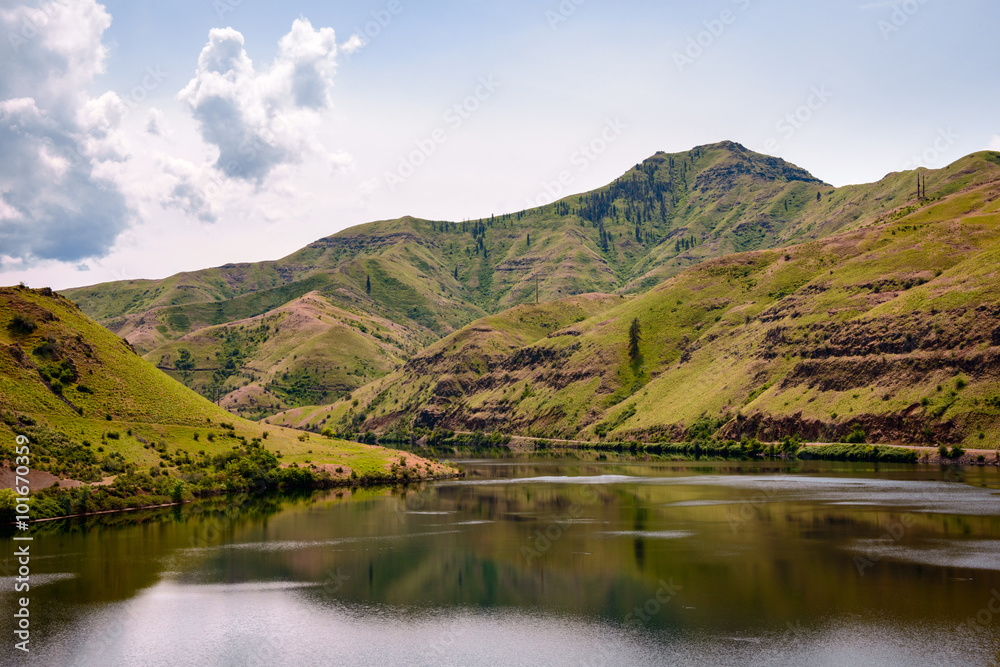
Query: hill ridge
x=667, y=213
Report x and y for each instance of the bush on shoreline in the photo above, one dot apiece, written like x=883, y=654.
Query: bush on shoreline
x=858, y=452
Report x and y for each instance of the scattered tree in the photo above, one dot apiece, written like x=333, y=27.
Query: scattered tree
x=634, y=337
x=368, y=285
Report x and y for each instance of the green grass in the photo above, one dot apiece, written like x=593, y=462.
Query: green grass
x=789, y=338
x=92, y=407
x=435, y=277
x=722, y=333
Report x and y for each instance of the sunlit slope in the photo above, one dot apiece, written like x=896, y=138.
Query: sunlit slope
x=431, y=278
x=305, y=352
x=64, y=373
x=892, y=329
x=437, y=376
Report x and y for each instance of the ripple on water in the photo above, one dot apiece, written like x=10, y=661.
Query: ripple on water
x=651, y=534
x=970, y=554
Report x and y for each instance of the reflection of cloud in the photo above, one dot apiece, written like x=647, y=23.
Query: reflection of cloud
x=54, y=138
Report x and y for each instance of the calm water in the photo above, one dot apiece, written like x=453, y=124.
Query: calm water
x=540, y=562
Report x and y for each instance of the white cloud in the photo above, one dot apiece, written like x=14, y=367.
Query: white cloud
x=185, y=191
x=995, y=143
x=305, y=65
x=260, y=120
x=54, y=138
x=156, y=124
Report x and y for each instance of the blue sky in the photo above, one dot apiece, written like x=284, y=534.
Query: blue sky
x=146, y=137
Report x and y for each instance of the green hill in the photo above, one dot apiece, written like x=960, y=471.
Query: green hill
x=305, y=352
x=416, y=281
x=93, y=408
x=890, y=332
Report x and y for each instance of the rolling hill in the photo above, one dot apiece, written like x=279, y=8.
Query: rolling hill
x=400, y=285
x=890, y=330
x=93, y=408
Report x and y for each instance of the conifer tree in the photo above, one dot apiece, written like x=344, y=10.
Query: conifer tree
x=634, y=337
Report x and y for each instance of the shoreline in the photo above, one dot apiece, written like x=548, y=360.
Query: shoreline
x=339, y=485
x=926, y=455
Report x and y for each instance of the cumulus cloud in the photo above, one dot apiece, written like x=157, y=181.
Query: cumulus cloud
x=259, y=120
x=54, y=138
x=995, y=143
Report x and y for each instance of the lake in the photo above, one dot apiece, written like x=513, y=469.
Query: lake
x=539, y=561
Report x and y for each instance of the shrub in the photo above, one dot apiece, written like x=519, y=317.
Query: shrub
x=855, y=452
x=943, y=451
x=857, y=436
x=22, y=324
x=956, y=452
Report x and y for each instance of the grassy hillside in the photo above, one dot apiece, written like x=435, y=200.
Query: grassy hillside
x=306, y=352
x=426, y=279
x=93, y=408
x=891, y=331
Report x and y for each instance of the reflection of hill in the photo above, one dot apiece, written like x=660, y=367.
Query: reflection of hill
x=731, y=548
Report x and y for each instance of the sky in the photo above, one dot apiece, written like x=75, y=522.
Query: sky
x=142, y=138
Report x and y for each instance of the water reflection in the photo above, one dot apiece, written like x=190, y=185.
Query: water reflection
x=544, y=562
